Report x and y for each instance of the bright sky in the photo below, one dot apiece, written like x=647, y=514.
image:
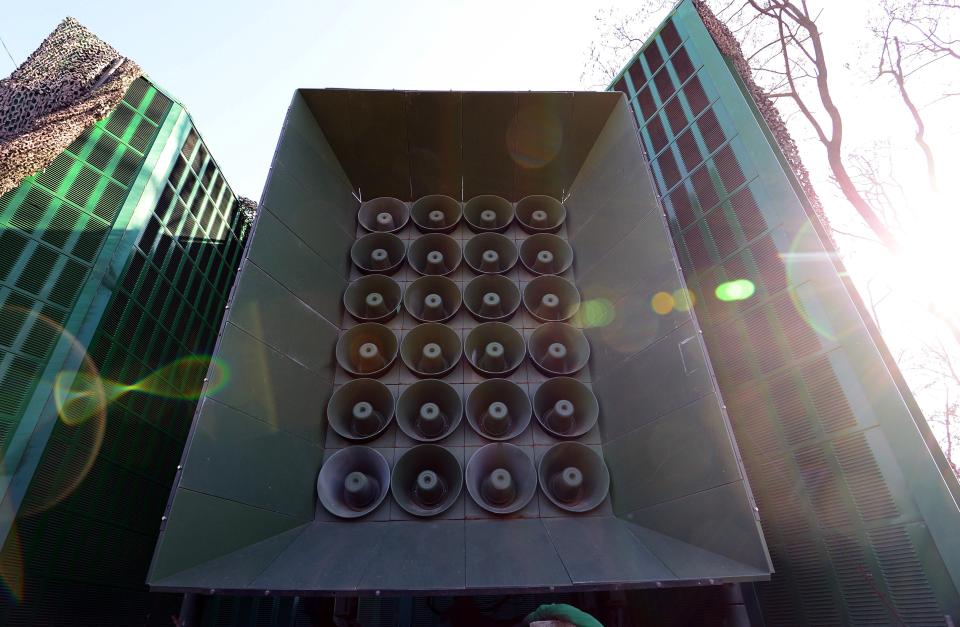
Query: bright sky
x=235, y=67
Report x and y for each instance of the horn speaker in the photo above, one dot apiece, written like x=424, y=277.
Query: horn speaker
x=557, y=348
x=372, y=298
x=488, y=213
x=545, y=253
x=565, y=407
x=353, y=481
x=498, y=409
x=501, y=478
x=383, y=215
x=573, y=476
x=490, y=253
x=431, y=349
x=367, y=350
x=551, y=298
x=540, y=214
x=432, y=299
x=436, y=213
x=434, y=254
x=494, y=349
x=360, y=409
x=429, y=410
x=491, y=297
x=378, y=253
x=427, y=479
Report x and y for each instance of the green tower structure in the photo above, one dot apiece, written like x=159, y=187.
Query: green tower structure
x=116, y=259
x=858, y=506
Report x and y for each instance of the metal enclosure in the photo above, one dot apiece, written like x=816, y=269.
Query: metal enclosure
x=244, y=516
x=858, y=505
x=116, y=260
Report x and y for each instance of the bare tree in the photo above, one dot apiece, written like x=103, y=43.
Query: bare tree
x=778, y=49
x=912, y=41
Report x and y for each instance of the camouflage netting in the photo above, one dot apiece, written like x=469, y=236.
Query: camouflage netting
x=70, y=82
x=730, y=47
x=249, y=208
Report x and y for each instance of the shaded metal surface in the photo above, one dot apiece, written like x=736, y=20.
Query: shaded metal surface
x=600, y=165
x=851, y=486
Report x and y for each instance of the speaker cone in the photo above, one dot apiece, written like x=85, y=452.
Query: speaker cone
x=383, y=215
x=427, y=480
x=360, y=409
x=498, y=409
x=373, y=298
x=490, y=253
x=436, y=213
x=432, y=299
x=565, y=407
x=380, y=253
x=492, y=297
x=431, y=349
x=367, y=350
x=551, y=298
x=488, y=213
x=545, y=253
x=558, y=349
x=574, y=477
x=429, y=410
x=434, y=254
x=540, y=214
x=501, y=478
x=353, y=481
x=494, y=349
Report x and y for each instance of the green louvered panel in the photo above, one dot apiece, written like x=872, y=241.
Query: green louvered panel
x=168, y=303
x=52, y=228
x=846, y=539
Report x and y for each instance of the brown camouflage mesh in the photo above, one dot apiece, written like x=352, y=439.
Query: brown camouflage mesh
x=70, y=82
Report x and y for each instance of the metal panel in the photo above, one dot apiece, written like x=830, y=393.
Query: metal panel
x=596, y=550
x=239, y=457
x=209, y=527
x=683, y=452
x=300, y=333
x=650, y=384
x=272, y=396
x=433, y=120
x=387, y=551
x=488, y=167
x=806, y=375
x=527, y=541
x=281, y=254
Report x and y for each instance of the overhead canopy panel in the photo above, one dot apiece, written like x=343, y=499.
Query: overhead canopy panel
x=410, y=144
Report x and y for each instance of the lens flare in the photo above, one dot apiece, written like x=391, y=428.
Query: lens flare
x=81, y=395
x=683, y=299
x=534, y=137
x=794, y=262
x=593, y=313
x=740, y=289
x=84, y=424
x=662, y=303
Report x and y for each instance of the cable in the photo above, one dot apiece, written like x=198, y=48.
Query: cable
x=8, y=52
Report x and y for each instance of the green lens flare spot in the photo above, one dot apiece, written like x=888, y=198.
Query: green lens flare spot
x=683, y=299
x=597, y=312
x=740, y=289
x=81, y=395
